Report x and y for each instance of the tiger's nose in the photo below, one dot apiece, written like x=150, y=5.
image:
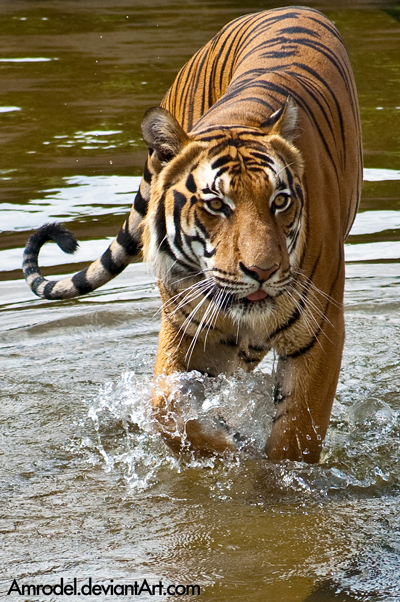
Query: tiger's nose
x=260, y=274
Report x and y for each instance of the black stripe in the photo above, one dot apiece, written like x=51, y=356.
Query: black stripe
x=234, y=28
x=221, y=161
x=47, y=290
x=316, y=100
x=232, y=96
x=306, y=348
x=229, y=342
x=31, y=270
x=329, y=27
x=246, y=25
x=297, y=29
x=140, y=204
x=262, y=157
x=127, y=242
x=160, y=224
x=276, y=418
x=293, y=244
x=299, y=192
x=186, y=99
x=239, y=142
x=280, y=54
x=211, y=80
x=223, y=272
x=222, y=170
x=327, y=53
x=247, y=359
x=179, y=202
x=256, y=168
x=82, y=283
x=221, y=132
x=36, y=283
x=289, y=175
x=200, y=226
x=264, y=26
x=224, y=280
x=227, y=211
x=147, y=174
x=164, y=247
x=300, y=306
x=110, y=265
x=279, y=42
x=195, y=84
x=197, y=238
x=211, y=138
x=190, y=183
x=314, y=338
x=278, y=395
x=258, y=349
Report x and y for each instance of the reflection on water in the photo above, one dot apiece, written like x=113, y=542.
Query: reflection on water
x=87, y=488
x=80, y=196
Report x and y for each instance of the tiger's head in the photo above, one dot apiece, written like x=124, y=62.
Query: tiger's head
x=226, y=210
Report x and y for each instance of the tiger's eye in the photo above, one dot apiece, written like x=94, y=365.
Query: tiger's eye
x=281, y=201
x=216, y=204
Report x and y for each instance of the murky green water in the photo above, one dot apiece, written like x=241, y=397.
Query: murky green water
x=87, y=489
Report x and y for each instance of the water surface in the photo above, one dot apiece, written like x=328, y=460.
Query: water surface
x=87, y=488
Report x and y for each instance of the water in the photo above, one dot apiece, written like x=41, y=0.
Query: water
x=87, y=488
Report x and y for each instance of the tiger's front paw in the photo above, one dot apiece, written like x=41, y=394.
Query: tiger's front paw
x=187, y=435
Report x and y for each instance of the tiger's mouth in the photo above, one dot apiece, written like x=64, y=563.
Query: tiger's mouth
x=258, y=295
x=258, y=300
x=228, y=293
x=242, y=308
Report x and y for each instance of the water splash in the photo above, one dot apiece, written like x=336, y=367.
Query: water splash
x=359, y=454
x=127, y=438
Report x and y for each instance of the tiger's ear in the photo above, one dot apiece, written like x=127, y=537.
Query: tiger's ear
x=284, y=121
x=163, y=134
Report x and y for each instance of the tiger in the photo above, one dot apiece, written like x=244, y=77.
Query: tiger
x=250, y=188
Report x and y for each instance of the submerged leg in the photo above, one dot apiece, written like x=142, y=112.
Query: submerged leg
x=305, y=387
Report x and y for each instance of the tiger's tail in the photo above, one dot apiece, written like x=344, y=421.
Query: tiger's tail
x=113, y=261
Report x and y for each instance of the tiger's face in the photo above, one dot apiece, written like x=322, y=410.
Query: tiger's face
x=226, y=217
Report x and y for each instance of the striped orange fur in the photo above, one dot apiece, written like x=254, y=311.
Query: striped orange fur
x=250, y=188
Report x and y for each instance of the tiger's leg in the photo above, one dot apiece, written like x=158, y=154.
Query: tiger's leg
x=182, y=432
x=174, y=410
x=306, y=383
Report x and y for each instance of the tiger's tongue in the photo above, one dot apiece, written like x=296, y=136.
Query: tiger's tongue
x=257, y=296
